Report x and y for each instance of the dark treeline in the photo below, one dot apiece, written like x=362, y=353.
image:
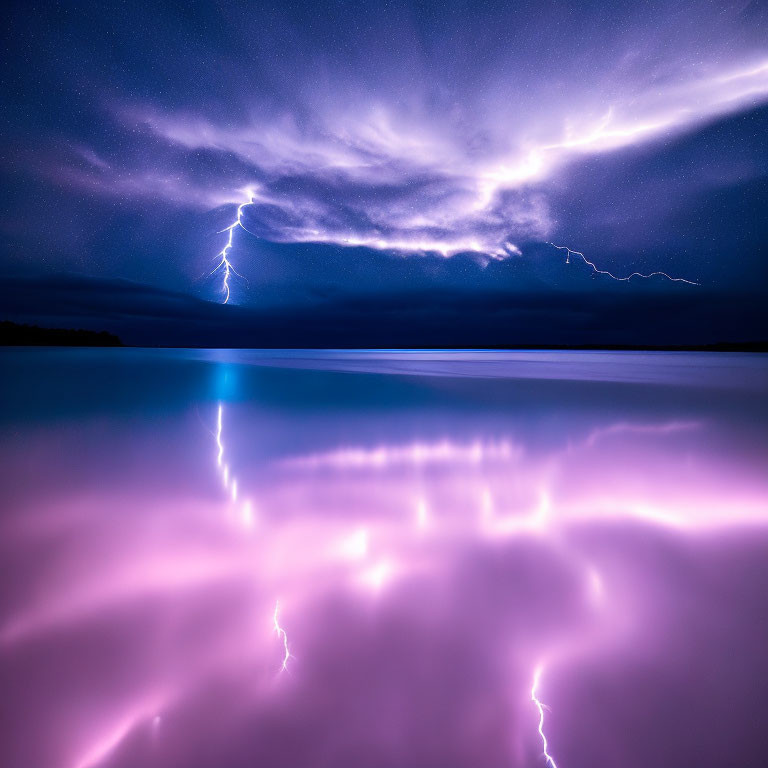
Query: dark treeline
x=14, y=334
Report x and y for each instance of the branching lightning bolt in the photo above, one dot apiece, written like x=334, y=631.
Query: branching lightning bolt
x=281, y=634
x=598, y=271
x=541, y=707
x=223, y=255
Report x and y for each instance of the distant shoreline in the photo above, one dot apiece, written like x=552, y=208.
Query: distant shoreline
x=22, y=335
x=721, y=346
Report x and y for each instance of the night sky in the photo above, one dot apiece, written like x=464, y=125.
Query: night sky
x=408, y=164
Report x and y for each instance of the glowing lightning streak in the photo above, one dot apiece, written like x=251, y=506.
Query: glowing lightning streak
x=281, y=633
x=541, y=707
x=597, y=271
x=224, y=263
x=229, y=480
x=218, y=439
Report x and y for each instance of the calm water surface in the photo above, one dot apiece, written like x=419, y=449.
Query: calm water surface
x=229, y=559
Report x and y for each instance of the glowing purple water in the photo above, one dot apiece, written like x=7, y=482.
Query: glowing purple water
x=229, y=559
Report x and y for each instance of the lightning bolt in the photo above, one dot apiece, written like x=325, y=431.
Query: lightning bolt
x=218, y=438
x=541, y=707
x=281, y=634
x=225, y=265
x=597, y=271
x=229, y=480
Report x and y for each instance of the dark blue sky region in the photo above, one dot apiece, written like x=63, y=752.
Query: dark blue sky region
x=407, y=166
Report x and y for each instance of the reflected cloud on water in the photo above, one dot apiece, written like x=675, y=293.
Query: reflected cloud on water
x=450, y=572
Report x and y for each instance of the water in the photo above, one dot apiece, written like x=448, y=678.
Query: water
x=221, y=559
